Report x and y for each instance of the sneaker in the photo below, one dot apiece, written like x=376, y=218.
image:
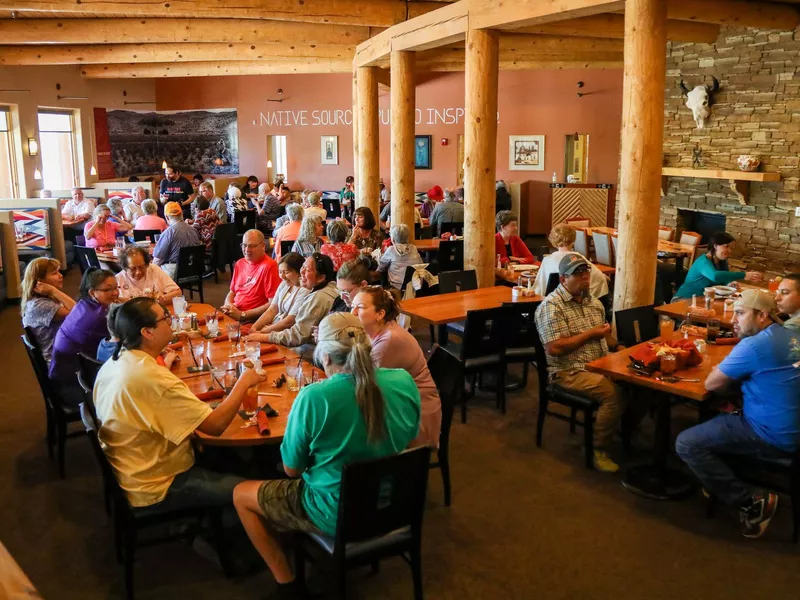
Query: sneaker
x=756, y=515
x=603, y=463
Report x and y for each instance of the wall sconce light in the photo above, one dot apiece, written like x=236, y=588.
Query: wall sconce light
x=33, y=147
x=37, y=174
x=164, y=165
x=92, y=171
x=269, y=164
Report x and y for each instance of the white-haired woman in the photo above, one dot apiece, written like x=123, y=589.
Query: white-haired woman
x=101, y=232
x=150, y=219
x=315, y=207
x=291, y=229
x=308, y=241
x=267, y=205
x=235, y=202
x=398, y=256
x=357, y=413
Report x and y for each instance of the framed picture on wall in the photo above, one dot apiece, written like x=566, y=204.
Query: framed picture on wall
x=526, y=153
x=329, y=149
x=422, y=152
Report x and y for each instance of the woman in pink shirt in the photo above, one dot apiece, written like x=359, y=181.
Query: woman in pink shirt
x=150, y=220
x=100, y=232
x=395, y=348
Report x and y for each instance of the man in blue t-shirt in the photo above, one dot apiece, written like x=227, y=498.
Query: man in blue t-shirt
x=766, y=364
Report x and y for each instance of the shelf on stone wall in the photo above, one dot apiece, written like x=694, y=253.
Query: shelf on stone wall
x=739, y=180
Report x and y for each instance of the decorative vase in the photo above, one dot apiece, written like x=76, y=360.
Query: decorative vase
x=748, y=162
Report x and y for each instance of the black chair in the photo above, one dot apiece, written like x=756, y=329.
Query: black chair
x=140, y=235
x=89, y=368
x=225, y=249
x=636, y=325
x=286, y=247
x=333, y=207
x=191, y=265
x=554, y=393
x=244, y=220
x=454, y=228
x=541, y=252
x=422, y=233
x=446, y=372
x=87, y=258
x=58, y=415
x=381, y=506
x=520, y=345
x=481, y=349
x=128, y=522
x=552, y=283
x=425, y=290
x=450, y=256
x=457, y=281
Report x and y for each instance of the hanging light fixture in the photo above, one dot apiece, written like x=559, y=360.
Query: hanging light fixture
x=164, y=165
x=33, y=147
x=37, y=174
x=92, y=171
x=269, y=164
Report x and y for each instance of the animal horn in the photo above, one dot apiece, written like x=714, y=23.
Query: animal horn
x=684, y=89
x=713, y=89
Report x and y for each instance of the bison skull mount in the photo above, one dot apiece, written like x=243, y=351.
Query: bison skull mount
x=700, y=100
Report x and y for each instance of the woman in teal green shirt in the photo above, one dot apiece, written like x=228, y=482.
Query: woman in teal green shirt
x=358, y=413
x=712, y=268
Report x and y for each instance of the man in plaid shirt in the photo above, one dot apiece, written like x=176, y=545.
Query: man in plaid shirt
x=572, y=326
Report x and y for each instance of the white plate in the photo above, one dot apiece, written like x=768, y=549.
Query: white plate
x=724, y=290
x=143, y=243
x=518, y=267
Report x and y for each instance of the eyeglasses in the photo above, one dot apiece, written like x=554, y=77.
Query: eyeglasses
x=252, y=246
x=111, y=289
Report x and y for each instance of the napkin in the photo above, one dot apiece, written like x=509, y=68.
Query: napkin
x=175, y=346
x=269, y=349
x=212, y=395
x=262, y=422
x=727, y=341
x=272, y=361
x=221, y=338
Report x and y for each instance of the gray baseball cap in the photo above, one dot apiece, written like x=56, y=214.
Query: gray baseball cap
x=570, y=262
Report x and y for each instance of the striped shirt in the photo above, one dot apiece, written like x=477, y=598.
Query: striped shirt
x=561, y=316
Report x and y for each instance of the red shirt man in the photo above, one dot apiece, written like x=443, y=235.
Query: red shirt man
x=255, y=280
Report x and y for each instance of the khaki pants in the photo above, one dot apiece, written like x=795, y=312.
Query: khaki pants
x=609, y=394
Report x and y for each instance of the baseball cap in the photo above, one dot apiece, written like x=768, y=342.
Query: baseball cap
x=173, y=209
x=570, y=262
x=758, y=300
x=343, y=327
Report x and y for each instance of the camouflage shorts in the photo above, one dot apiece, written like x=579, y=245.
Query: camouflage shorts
x=282, y=505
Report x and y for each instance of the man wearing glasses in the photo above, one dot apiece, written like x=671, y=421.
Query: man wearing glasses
x=572, y=325
x=255, y=280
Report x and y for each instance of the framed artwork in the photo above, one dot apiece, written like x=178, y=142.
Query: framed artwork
x=329, y=150
x=422, y=152
x=526, y=153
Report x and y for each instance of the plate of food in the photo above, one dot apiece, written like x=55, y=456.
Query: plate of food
x=143, y=243
x=724, y=290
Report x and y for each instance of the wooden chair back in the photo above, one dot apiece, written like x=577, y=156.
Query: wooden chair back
x=666, y=233
x=579, y=221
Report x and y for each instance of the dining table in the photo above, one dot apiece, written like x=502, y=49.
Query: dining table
x=679, y=309
x=239, y=432
x=441, y=309
x=655, y=480
x=666, y=249
x=427, y=245
x=107, y=255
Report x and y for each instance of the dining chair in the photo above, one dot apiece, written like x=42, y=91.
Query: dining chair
x=190, y=269
x=451, y=227
x=615, y=242
x=381, y=507
x=636, y=325
x=89, y=367
x=519, y=343
x=245, y=220
x=450, y=256
x=446, y=373
x=225, y=249
x=579, y=221
x=665, y=233
x=689, y=238
x=422, y=233
x=552, y=283
x=128, y=523
x=333, y=207
x=286, y=246
x=602, y=249
x=457, y=281
x=140, y=235
x=87, y=258
x=582, y=243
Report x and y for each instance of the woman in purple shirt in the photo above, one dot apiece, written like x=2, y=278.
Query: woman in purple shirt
x=82, y=331
x=395, y=348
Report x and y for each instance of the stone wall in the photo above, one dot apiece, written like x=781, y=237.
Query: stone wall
x=756, y=111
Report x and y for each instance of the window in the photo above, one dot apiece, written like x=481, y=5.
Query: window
x=57, y=146
x=279, y=152
x=8, y=171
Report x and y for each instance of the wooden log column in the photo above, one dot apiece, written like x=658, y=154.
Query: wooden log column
x=368, y=178
x=355, y=123
x=641, y=150
x=403, y=119
x=480, y=160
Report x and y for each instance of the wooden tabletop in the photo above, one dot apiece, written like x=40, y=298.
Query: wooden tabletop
x=427, y=245
x=615, y=366
x=678, y=309
x=219, y=353
x=448, y=308
x=664, y=246
x=511, y=276
x=107, y=256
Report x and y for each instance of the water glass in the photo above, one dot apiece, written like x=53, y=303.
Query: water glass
x=712, y=330
x=213, y=327
x=233, y=333
x=178, y=305
x=219, y=372
x=294, y=378
x=200, y=352
x=252, y=350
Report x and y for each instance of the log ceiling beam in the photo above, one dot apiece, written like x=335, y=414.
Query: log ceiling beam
x=156, y=53
x=158, y=31
x=216, y=68
x=511, y=14
x=377, y=13
x=613, y=26
x=737, y=13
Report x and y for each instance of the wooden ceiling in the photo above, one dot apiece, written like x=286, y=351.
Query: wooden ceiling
x=185, y=38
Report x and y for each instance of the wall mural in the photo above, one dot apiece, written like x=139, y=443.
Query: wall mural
x=131, y=142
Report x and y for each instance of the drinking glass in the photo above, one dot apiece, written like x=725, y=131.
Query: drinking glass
x=200, y=352
x=219, y=372
x=213, y=327
x=178, y=305
x=250, y=401
x=669, y=364
x=252, y=350
x=294, y=378
x=712, y=330
x=665, y=326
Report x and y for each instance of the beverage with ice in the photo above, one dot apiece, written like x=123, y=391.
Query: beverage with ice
x=252, y=350
x=665, y=327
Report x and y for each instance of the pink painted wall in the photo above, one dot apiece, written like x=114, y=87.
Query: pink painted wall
x=530, y=102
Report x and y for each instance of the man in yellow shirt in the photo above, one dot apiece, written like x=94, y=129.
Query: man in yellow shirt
x=147, y=416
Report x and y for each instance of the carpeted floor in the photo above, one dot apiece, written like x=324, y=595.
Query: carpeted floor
x=525, y=522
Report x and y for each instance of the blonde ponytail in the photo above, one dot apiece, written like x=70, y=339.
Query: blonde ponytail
x=368, y=395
